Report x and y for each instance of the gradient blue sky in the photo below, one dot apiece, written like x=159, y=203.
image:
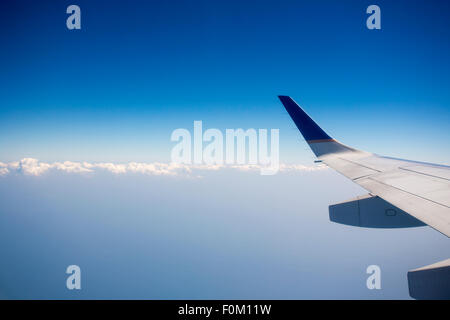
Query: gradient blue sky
x=116, y=89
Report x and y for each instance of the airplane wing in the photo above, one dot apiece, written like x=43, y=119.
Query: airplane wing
x=420, y=189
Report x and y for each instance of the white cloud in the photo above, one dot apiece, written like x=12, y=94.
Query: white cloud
x=34, y=167
x=114, y=168
x=3, y=169
x=69, y=166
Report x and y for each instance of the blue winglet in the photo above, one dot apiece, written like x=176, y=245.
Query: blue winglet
x=309, y=129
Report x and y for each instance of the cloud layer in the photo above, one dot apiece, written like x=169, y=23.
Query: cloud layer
x=34, y=167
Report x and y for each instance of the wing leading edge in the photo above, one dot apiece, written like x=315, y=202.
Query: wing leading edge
x=420, y=189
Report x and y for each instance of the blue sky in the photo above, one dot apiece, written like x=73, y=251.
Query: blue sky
x=116, y=89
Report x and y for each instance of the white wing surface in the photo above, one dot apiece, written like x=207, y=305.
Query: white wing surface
x=420, y=189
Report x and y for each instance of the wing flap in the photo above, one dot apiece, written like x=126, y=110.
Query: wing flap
x=437, y=172
x=432, y=213
x=427, y=187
